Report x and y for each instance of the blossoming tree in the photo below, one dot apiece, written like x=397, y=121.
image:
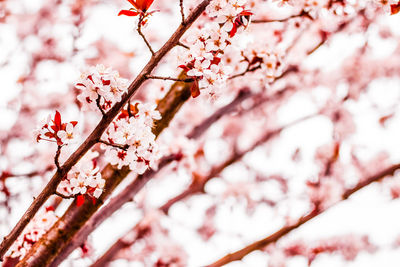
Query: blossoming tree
x=208, y=131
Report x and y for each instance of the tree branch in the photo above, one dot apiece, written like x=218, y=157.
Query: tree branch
x=123, y=147
x=52, y=248
x=198, y=130
x=139, y=30
x=182, y=11
x=240, y=254
x=196, y=187
x=100, y=128
x=57, y=158
x=99, y=106
x=303, y=13
x=186, y=80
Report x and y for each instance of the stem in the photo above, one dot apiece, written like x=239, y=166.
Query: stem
x=99, y=106
x=57, y=158
x=248, y=69
x=183, y=45
x=303, y=13
x=182, y=11
x=187, y=80
x=123, y=147
x=100, y=128
x=129, y=109
x=63, y=196
x=229, y=108
x=139, y=30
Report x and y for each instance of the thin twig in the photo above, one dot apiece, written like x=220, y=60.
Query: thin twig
x=182, y=11
x=123, y=147
x=187, y=80
x=63, y=196
x=57, y=158
x=99, y=106
x=139, y=30
x=248, y=69
x=303, y=13
x=183, y=45
x=129, y=109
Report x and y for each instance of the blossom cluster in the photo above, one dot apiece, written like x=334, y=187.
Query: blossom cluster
x=202, y=61
x=390, y=6
x=129, y=140
x=36, y=228
x=270, y=61
x=83, y=179
x=101, y=88
x=54, y=130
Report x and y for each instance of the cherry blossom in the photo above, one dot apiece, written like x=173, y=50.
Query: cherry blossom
x=130, y=138
x=54, y=130
x=68, y=135
x=203, y=59
x=100, y=87
x=83, y=179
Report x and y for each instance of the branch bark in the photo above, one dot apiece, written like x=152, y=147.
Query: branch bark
x=100, y=128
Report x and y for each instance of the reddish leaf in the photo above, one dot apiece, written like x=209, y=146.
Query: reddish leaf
x=215, y=60
x=57, y=119
x=233, y=31
x=184, y=67
x=128, y=13
x=106, y=82
x=194, y=89
x=142, y=5
x=80, y=199
x=246, y=13
x=394, y=9
x=50, y=208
